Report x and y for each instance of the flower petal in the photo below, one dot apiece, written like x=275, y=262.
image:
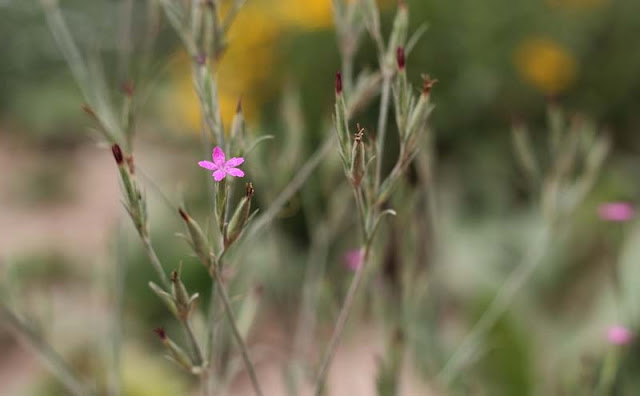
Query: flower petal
x=219, y=175
x=218, y=156
x=235, y=172
x=208, y=165
x=235, y=161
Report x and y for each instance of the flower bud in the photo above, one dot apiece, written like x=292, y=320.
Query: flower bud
x=176, y=353
x=422, y=108
x=237, y=127
x=199, y=242
x=180, y=294
x=400, y=26
x=167, y=298
x=357, y=158
x=117, y=154
x=240, y=217
x=400, y=58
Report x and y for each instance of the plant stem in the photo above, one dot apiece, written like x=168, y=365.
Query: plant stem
x=343, y=317
x=236, y=332
x=60, y=369
x=155, y=261
x=500, y=303
x=382, y=123
x=193, y=342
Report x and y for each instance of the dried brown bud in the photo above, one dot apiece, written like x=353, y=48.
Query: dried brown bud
x=117, y=154
x=427, y=84
x=249, y=190
x=183, y=214
x=127, y=88
x=400, y=58
x=161, y=333
x=338, y=83
x=174, y=276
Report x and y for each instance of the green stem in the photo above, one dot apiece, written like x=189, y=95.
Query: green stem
x=382, y=124
x=222, y=292
x=343, y=317
x=155, y=261
x=193, y=342
x=60, y=369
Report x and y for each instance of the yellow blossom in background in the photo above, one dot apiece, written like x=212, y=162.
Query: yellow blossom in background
x=249, y=61
x=546, y=65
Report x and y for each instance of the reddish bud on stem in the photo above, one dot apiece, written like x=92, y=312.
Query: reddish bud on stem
x=183, y=214
x=338, y=83
x=427, y=84
x=160, y=332
x=117, y=154
x=400, y=58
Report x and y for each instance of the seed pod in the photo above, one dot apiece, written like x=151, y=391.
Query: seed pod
x=199, y=242
x=357, y=159
x=180, y=294
x=240, y=217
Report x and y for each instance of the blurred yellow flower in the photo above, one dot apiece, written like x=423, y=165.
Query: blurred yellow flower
x=546, y=65
x=248, y=63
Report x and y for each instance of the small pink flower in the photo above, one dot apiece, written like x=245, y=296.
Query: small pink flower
x=221, y=167
x=619, y=335
x=353, y=259
x=616, y=211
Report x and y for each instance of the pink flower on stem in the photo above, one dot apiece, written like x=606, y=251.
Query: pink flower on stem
x=616, y=211
x=353, y=259
x=221, y=167
x=619, y=335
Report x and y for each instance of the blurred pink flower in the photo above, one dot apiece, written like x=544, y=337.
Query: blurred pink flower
x=619, y=335
x=616, y=211
x=221, y=167
x=353, y=259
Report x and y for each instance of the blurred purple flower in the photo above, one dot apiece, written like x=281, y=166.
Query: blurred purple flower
x=221, y=167
x=619, y=335
x=353, y=259
x=616, y=211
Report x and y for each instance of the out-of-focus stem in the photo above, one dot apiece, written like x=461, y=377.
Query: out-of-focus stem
x=222, y=292
x=341, y=323
x=500, y=303
x=193, y=342
x=65, y=373
x=382, y=123
x=155, y=261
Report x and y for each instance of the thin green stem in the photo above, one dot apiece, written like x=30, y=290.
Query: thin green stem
x=155, y=261
x=382, y=124
x=341, y=323
x=193, y=342
x=500, y=303
x=222, y=292
x=56, y=364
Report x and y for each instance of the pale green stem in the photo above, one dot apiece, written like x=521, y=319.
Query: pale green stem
x=382, y=124
x=155, y=261
x=499, y=305
x=341, y=323
x=56, y=364
x=222, y=292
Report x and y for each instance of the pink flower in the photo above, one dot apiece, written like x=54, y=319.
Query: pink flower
x=353, y=259
x=619, y=335
x=221, y=167
x=616, y=211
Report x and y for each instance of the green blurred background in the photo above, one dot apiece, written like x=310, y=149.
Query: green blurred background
x=64, y=230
